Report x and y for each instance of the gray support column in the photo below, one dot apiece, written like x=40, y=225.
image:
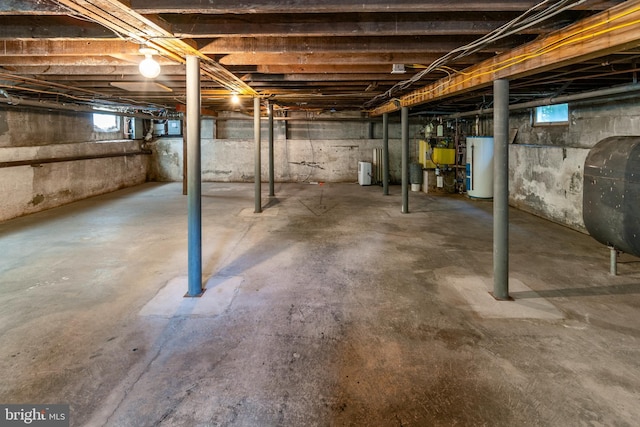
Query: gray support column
x=272, y=191
x=194, y=200
x=257, y=158
x=385, y=154
x=501, y=190
x=405, y=159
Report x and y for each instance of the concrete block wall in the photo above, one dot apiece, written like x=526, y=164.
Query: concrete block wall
x=30, y=134
x=547, y=162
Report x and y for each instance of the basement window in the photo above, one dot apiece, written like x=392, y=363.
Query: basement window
x=106, y=123
x=557, y=114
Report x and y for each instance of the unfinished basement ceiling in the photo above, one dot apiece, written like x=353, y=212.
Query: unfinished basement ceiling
x=300, y=54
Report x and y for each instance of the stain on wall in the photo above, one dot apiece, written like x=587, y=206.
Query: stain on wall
x=4, y=126
x=33, y=135
x=547, y=162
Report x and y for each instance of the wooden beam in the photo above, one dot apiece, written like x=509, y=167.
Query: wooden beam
x=326, y=77
x=338, y=6
x=614, y=30
x=358, y=69
x=84, y=47
x=88, y=70
x=338, y=58
x=414, y=44
x=30, y=7
x=87, y=60
x=345, y=25
x=181, y=108
x=50, y=27
x=155, y=33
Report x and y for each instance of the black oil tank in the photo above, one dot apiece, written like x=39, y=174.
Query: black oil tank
x=611, y=199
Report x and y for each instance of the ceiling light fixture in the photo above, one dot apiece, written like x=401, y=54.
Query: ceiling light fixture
x=235, y=99
x=149, y=68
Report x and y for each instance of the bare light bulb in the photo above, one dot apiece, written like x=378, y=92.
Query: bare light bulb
x=149, y=68
x=235, y=99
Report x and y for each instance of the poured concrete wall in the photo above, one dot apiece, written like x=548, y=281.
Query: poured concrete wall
x=313, y=150
x=231, y=160
x=29, y=135
x=547, y=162
x=547, y=181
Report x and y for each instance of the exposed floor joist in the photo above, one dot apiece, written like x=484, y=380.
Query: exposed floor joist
x=605, y=33
x=314, y=54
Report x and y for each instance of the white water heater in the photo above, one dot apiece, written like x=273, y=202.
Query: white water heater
x=480, y=167
x=364, y=173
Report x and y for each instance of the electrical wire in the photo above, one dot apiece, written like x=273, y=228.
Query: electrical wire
x=566, y=41
x=533, y=16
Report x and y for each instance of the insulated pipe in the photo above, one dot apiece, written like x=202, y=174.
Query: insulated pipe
x=21, y=103
x=36, y=162
x=610, y=92
x=385, y=154
x=501, y=190
x=405, y=159
x=194, y=200
x=257, y=159
x=272, y=191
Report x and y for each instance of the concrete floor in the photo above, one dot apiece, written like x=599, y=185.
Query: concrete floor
x=331, y=308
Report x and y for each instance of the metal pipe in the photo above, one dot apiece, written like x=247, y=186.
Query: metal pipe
x=20, y=102
x=620, y=90
x=385, y=154
x=194, y=199
x=405, y=159
x=613, y=261
x=501, y=190
x=185, y=156
x=257, y=159
x=272, y=191
x=306, y=119
x=35, y=162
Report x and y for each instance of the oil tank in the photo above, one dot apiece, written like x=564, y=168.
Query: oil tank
x=611, y=193
x=480, y=167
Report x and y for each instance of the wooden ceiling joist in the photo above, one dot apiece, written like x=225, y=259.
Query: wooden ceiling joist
x=345, y=25
x=617, y=29
x=153, y=33
x=336, y=53
x=334, y=6
x=86, y=47
x=325, y=58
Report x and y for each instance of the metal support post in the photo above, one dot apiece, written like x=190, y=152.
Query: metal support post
x=405, y=159
x=272, y=191
x=194, y=200
x=385, y=154
x=257, y=158
x=501, y=190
